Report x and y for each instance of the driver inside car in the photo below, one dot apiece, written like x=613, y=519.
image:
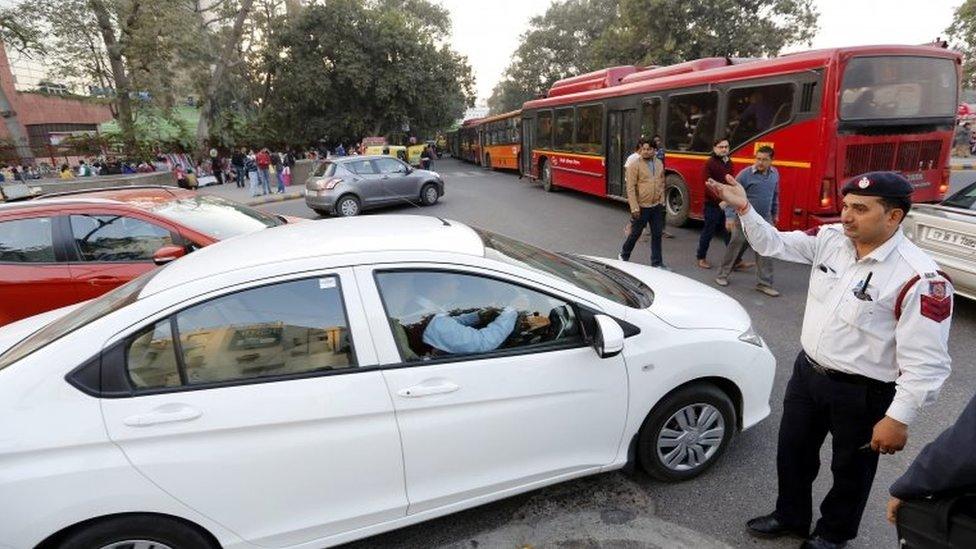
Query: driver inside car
x=472, y=331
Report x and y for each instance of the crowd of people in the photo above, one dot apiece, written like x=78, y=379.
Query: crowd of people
x=644, y=176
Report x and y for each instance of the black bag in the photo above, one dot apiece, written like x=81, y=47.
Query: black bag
x=938, y=523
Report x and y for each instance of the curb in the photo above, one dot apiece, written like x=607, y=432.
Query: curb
x=275, y=198
x=962, y=167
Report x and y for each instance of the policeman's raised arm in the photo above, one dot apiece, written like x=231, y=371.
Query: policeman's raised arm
x=795, y=246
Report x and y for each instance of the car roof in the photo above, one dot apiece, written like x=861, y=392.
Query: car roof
x=321, y=238
x=344, y=159
x=142, y=197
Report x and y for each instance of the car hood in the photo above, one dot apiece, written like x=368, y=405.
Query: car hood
x=14, y=333
x=686, y=303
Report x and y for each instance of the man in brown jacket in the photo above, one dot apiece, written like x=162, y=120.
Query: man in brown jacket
x=645, y=195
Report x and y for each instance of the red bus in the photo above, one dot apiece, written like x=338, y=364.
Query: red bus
x=500, y=140
x=829, y=114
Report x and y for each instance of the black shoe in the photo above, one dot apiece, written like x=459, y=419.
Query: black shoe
x=818, y=542
x=768, y=526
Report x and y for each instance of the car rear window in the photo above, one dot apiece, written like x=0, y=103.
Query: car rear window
x=325, y=169
x=27, y=241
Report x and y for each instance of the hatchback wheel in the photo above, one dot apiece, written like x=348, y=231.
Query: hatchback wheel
x=347, y=206
x=686, y=433
x=136, y=532
x=429, y=195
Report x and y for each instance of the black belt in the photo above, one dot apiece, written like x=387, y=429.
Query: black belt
x=837, y=375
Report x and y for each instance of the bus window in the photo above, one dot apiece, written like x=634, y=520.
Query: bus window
x=589, y=129
x=650, y=116
x=543, y=130
x=879, y=88
x=756, y=109
x=691, y=121
x=563, y=136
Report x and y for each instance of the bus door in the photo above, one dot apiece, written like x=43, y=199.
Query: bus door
x=622, y=140
x=528, y=141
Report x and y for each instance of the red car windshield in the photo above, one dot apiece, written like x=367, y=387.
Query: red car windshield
x=215, y=216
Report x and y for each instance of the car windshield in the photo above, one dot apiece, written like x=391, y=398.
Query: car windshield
x=592, y=276
x=893, y=87
x=216, y=217
x=965, y=199
x=87, y=313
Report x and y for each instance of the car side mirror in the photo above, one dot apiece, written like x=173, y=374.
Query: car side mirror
x=609, y=337
x=167, y=254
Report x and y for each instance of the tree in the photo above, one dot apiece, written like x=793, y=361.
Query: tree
x=348, y=69
x=558, y=44
x=18, y=32
x=579, y=36
x=962, y=33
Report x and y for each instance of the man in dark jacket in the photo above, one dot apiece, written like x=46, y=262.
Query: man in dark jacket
x=946, y=466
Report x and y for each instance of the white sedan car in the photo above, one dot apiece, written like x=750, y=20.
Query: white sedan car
x=318, y=383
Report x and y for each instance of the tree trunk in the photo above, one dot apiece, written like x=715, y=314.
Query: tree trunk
x=119, y=74
x=15, y=130
x=217, y=76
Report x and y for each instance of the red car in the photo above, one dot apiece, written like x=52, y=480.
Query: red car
x=61, y=249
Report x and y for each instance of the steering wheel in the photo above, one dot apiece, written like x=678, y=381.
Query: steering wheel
x=559, y=322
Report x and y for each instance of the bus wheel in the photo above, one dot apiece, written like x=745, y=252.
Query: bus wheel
x=547, y=184
x=677, y=200
x=488, y=162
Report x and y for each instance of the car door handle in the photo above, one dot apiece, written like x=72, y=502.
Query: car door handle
x=427, y=390
x=163, y=414
x=95, y=280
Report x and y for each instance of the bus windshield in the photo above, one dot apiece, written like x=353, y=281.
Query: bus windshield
x=898, y=87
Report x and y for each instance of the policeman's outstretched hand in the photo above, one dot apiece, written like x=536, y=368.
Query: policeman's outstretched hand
x=889, y=436
x=731, y=191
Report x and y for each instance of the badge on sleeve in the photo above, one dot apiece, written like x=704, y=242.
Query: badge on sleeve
x=936, y=303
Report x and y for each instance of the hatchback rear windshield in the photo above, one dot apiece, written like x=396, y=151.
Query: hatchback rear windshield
x=216, y=217
x=325, y=169
x=965, y=199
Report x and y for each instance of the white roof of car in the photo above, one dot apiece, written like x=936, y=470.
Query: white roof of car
x=321, y=238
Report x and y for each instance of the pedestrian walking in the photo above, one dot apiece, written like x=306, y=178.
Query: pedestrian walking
x=960, y=140
x=237, y=161
x=874, y=351
x=276, y=164
x=251, y=168
x=718, y=166
x=634, y=156
x=263, y=160
x=645, y=196
x=217, y=166
x=761, y=182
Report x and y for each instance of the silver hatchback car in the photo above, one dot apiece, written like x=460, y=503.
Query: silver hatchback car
x=347, y=185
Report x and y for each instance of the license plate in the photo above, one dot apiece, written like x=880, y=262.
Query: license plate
x=951, y=238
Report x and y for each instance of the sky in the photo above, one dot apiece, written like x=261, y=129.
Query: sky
x=487, y=31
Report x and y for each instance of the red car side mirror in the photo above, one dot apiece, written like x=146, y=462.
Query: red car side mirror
x=167, y=254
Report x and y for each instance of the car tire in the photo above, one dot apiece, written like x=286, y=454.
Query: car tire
x=677, y=200
x=547, y=184
x=429, y=194
x=347, y=206
x=121, y=532
x=686, y=433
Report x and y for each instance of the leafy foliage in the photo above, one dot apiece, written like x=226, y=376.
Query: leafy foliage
x=962, y=32
x=578, y=36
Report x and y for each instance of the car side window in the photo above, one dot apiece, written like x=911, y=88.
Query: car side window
x=362, y=167
x=27, y=241
x=388, y=165
x=117, y=238
x=435, y=313
x=281, y=329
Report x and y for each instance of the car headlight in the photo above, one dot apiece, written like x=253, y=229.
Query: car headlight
x=750, y=336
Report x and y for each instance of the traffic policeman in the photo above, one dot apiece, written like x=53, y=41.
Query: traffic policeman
x=874, y=338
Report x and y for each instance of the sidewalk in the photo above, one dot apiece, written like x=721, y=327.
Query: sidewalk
x=959, y=164
x=230, y=191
